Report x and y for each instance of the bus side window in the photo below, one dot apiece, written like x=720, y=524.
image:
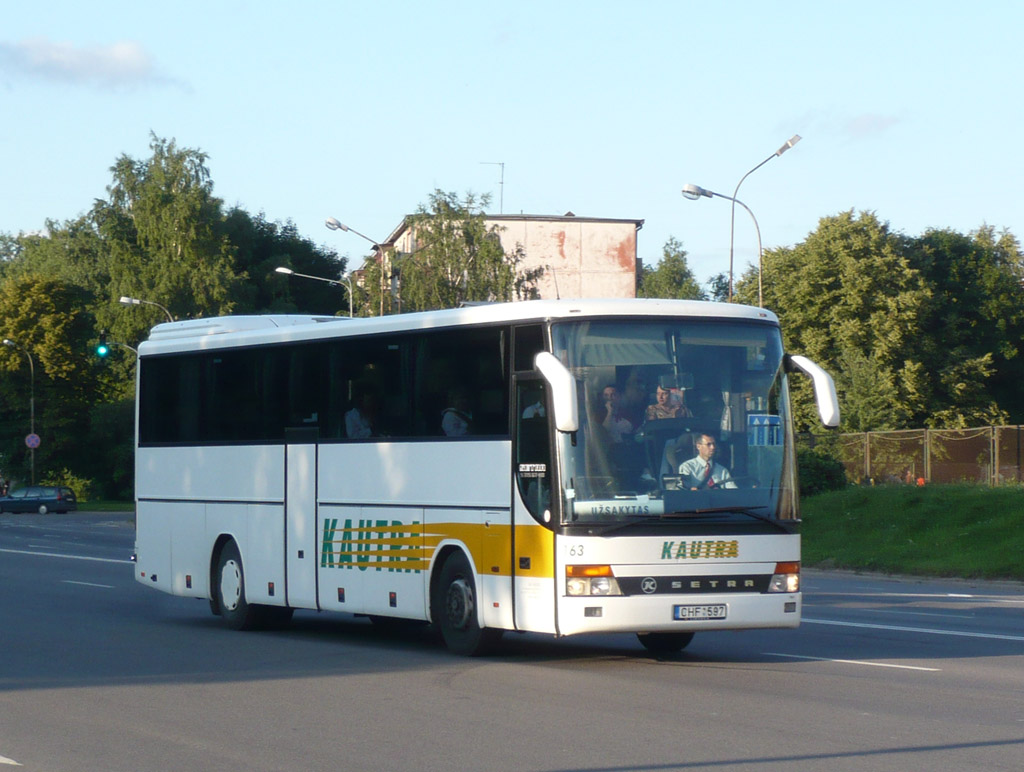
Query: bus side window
x=533, y=448
x=529, y=339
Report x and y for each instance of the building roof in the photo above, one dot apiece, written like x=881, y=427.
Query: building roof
x=567, y=217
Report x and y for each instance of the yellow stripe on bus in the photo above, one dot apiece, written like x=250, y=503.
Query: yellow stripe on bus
x=381, y=548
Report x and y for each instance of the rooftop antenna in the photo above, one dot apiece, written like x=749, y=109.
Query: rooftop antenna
x=501, y=184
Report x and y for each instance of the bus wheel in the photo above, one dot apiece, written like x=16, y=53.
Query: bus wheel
x=230, y=602
x=664, y=643
x=230, y=589
x=454, y=609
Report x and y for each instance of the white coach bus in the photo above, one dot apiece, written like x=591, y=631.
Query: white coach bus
x=524, y=466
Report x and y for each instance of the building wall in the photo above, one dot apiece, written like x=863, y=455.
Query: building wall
x=581, y=257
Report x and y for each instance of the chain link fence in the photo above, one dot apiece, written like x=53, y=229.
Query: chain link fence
x=988, y=455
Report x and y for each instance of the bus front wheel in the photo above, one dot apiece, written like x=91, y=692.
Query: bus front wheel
x=454, y=609
x=664, y=643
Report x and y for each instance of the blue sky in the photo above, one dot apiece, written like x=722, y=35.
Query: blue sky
x=360, y=110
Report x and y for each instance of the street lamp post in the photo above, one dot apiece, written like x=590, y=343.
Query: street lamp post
x=31, y=404
x=335, y=225
x=732, y=221
x=290, y=272
x=127, y=301
x=693, y=192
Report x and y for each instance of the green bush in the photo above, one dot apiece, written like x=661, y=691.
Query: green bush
x=81, y=486
x=819, y=472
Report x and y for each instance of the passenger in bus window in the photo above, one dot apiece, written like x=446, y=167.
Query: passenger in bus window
x=360, y=421
x=702, y=471
x=664, y=406
x=457, y=418
x=535, y=409
x=633, y=400
x=612, y=419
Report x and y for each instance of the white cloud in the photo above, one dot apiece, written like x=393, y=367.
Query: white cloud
x=119, y=64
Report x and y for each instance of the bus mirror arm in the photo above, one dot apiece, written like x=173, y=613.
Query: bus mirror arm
x=563, y=391
x=824, y=388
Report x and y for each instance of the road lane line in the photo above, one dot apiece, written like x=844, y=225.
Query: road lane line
x=66, y=557
x=87, y=584
x=939, y=614
x=957, y=633
x=854, y=662
x=12, y=762
x=940, y=595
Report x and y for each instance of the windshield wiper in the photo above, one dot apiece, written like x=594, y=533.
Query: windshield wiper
x=647, y=520
x=749, y=512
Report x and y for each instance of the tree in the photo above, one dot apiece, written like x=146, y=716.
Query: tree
x=672, y=278
x=718, y=286
x=161, y=226
x=48, y=320
x=458, y=258
x=851, y=291
x=973, y=327
x=260, y=246
x=916, y=331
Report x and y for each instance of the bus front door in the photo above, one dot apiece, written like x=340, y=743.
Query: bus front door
x=300, y=513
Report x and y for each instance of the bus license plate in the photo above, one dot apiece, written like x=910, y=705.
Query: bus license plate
x=707, y=611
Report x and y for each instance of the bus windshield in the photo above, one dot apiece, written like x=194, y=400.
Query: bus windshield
x=678, y=418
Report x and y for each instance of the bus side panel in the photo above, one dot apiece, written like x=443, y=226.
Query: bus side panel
x=390, y=547
x=260, y=529
x=189, y=496
x=534, y=569
x=340, y=582
x=495, y=572
x=230, y=473
x=397, y=502
x=153, y=522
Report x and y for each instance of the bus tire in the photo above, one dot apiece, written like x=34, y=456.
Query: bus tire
x=454, y=609
x=665, y=643
x=230, y=588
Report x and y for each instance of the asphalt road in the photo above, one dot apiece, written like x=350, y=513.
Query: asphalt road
x=98, y=672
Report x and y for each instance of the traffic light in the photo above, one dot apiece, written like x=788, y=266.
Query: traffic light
x=102, y=349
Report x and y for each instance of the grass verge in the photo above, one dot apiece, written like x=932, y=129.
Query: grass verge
x=936, y=530
x=106, y=506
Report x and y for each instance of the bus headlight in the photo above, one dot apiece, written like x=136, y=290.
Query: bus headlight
x=590, y=580
x=786, y=578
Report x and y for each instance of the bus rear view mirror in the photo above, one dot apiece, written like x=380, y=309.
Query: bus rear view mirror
x=824, y=389
x=563, y=391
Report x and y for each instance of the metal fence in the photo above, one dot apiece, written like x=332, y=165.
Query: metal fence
x=989, y=455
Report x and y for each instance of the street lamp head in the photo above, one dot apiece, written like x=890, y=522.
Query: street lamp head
x=127, y=301
x=334, y=225
x=693, y=192
x=282, y=269
x=789, y=143
x=8, y=342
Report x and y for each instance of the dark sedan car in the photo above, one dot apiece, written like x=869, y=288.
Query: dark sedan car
x=41, y=499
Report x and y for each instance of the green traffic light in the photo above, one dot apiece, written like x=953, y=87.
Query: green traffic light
x=102, y=349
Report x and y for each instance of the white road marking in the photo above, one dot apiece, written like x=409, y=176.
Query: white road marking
x=899, y=628
x=905, y=613
x=12, y=762
x=67, y=557
x=854, y=662
x=88, y=584
x=942, y=595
